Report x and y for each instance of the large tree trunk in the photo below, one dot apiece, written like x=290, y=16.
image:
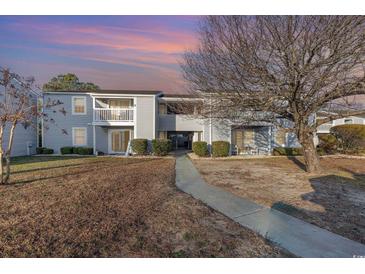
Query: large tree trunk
x=1, y=155
x=310, y=153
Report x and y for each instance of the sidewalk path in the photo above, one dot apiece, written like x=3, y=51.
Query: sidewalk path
x=298, y=237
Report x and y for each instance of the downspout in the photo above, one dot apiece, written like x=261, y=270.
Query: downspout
x=270, y=139
x=210, y=124
x=93, y=124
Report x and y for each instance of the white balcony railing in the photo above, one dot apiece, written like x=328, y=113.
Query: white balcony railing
x=113, y=114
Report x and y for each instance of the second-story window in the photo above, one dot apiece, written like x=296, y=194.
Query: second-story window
x=78, y=105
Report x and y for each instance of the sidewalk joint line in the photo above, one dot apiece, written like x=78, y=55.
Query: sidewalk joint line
x=248, y=213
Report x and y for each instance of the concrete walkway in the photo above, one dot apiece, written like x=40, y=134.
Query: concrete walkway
x=294, y=235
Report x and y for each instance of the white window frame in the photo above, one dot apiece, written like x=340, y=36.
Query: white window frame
x=73, y=105
x=73, y=136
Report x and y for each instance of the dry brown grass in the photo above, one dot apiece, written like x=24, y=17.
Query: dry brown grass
x=113, y=207
x=334, y=199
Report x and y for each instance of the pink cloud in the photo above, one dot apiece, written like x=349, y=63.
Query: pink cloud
x=154, y=49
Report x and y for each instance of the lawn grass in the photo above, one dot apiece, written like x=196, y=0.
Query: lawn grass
x=113, y=207
x=333, y=199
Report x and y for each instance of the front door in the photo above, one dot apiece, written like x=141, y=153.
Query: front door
x=118, y=140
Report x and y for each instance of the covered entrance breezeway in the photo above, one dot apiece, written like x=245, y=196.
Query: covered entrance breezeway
x=181, y=139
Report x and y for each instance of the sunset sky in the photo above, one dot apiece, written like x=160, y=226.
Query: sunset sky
x=115, y=52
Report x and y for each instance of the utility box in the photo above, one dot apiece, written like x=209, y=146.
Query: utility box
x=29, y=148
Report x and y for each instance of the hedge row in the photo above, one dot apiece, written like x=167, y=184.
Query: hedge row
x=219, y=148
x=327, y=143
x=77, y=150
x=351, y=138
x=200, y=148
x=139, y=146
x=160, y=147
x=44, y=150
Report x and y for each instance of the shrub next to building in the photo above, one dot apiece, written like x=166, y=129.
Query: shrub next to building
x=328, y=143
x=44, y=150
x=220, y=148
x=351, y=138
x=77, y=150
x=200, y=148
x=161, y=147
x=139, y=146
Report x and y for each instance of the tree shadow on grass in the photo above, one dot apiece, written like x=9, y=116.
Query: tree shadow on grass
x=343, y=202
x=297, y=162
x=27, y=181
x=49, y=168
x=20, y=160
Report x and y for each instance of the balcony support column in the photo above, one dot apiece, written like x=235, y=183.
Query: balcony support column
x=93, y=108
x=94, y=140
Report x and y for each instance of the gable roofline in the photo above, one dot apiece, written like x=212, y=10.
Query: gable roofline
x=106, y=92
x=37, y=92
x=176, y=95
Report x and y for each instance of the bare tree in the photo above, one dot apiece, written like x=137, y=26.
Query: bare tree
x=278, y=68
x=18, y=106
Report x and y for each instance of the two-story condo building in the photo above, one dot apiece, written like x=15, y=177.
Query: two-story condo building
x=108, y=119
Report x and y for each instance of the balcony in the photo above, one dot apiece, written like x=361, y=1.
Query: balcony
x=114, y=116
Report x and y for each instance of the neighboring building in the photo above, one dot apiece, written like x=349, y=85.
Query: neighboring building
x=25, y=137
x=325, y=128
x=108, y=120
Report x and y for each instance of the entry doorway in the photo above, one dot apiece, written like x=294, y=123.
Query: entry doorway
x=118, y=140
x=181, y=139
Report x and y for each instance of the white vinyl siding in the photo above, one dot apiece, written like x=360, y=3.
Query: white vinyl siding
x=79, y=136
x=78, y=105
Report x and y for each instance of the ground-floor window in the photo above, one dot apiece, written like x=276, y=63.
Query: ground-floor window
x=79, y=136
x=243, y=137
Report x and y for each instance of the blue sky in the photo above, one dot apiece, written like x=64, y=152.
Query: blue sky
x=115, y=52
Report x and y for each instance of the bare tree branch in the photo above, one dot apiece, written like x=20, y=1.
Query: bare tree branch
x=288, y=66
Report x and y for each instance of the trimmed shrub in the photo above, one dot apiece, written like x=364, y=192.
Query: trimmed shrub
x=139, y=146
x=220, y=148
x=327, y=143
x=75, y=150
x=85, y=150
x=287, y=151
x=39, y=150
x=67, y=150
x=47, y=151
x=351, y=138
x=200, y=148
x=44, y=150
x=321, y=151
x=161, y=147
